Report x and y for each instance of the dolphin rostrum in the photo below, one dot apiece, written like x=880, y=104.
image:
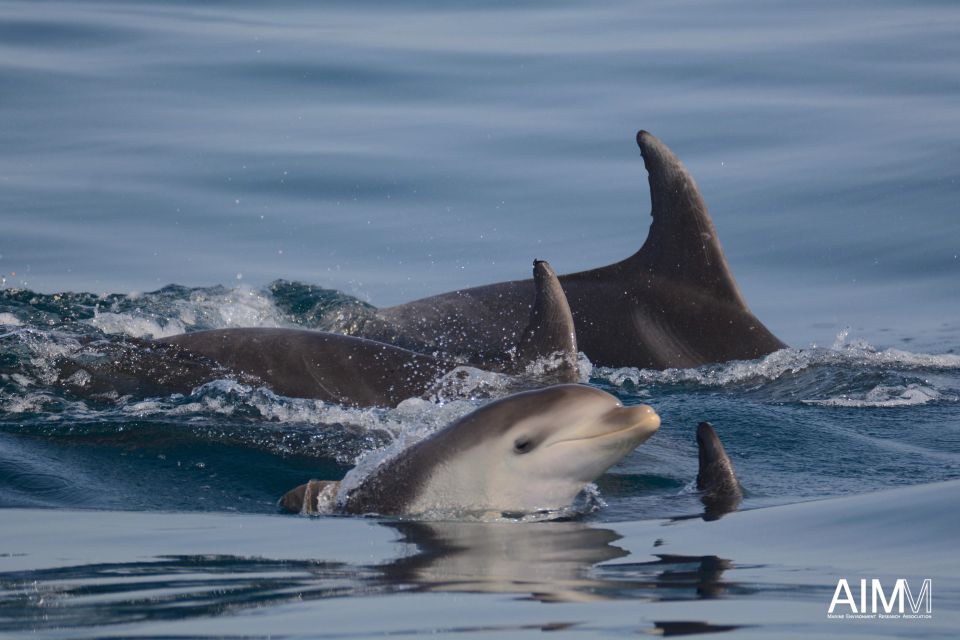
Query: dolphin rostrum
x=527, y=452
x=674, y=303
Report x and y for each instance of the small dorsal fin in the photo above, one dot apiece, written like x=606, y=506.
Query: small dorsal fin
x=715, y=477
x=550, y=332
x=682, y=243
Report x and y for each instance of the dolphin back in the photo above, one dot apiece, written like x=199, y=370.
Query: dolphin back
x=674, y=303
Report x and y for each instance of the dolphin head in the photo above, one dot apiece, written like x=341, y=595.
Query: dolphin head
x=530, y=451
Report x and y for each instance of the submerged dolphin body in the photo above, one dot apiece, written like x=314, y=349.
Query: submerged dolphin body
x=527, y=452
x=716, y=479
x=674, y=303
x=326, y=366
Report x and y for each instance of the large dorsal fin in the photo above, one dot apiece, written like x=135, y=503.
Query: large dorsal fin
x=682, y=243
x=550, y=332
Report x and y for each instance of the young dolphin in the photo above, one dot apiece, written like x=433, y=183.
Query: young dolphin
x=721, y=492
x=674, y=303
x=326, y=366
x=524, y=453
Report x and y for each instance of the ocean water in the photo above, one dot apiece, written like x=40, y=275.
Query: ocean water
x=174, y=166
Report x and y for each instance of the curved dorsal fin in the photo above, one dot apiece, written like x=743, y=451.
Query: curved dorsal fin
x=715, y=477
x=550, y=331
x=682, y=243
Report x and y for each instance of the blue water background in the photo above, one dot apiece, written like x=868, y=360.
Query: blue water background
x=394, y=151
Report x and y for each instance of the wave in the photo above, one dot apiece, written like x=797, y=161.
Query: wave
x=846, y=375
x=778, y=364
x=175, y=309
x=884, y=396
x=9, y=320
x=40, y=328
x=255, y=416
x=212, y=308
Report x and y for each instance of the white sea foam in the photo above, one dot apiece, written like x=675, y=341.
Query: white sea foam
x=80, y=378
x=28, y=403
x=543, y=367
x=40, y=402
x=769, y=368
x=884, y=396
x=9, y=320
x=302, y=425
x=136, y=326
x=780, y=363
x=464, y=382
x=45, y=349
x=241, y=306
x=20, y=379
x=412, y=418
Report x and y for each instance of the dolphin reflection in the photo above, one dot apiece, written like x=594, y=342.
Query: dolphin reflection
x=548, y=561
x=543, y=562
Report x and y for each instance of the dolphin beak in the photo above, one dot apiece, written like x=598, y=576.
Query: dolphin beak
x=641, y=419
x=622, y=425
x=618, y=427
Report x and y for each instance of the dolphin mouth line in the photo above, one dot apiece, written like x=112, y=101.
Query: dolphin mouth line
x=608, y=434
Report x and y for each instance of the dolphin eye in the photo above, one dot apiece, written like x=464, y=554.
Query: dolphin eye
x=523, y=445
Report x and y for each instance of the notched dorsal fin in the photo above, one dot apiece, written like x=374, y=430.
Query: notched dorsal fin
x=550, y=332
x=682, y=242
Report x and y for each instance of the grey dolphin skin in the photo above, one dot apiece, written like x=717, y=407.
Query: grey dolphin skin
x=300, y=363
x=527, y=452
x=550, y=331
x=674, y=303
x=721, y=492
x=331, y=367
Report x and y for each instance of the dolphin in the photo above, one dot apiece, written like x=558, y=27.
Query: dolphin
x=674, y=303
x=527, y=452
x=721, y=491
x=326, y=366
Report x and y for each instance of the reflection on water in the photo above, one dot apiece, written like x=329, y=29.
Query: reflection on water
x=548, y=562
x=677, y=577
x=166, y=588
x=768, y=572
x=665, y=628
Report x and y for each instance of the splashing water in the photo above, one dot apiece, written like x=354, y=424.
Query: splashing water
x=798, y=423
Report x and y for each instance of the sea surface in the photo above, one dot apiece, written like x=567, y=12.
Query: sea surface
x=174, y=166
